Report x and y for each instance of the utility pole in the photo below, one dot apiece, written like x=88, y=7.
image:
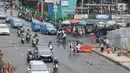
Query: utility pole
x=82, y=3
x=42, y=7
x=101, y=7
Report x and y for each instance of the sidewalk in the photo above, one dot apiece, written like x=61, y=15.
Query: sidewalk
x=122, y=61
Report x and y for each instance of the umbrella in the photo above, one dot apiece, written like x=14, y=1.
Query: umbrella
x=74, y=21
x=111, y=22
x=66, y=22
x=83, y=22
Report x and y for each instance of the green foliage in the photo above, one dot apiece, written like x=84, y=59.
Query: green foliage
x=1, y=52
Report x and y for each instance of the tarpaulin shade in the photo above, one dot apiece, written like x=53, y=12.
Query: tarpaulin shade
x=111, y=22
x=74, y=21
x=83, y=22
x=66, y=22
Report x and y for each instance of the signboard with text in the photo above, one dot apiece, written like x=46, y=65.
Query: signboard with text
x=64, y=3
x=49, y=1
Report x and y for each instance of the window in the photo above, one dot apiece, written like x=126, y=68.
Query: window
x=39, y=68
x=50, y=26
x=3, y=27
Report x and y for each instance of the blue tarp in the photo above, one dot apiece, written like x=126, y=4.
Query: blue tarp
x=102, y=16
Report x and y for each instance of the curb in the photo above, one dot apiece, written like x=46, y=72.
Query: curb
x=117, y=63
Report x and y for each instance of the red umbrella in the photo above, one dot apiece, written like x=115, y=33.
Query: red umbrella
x=74, y=21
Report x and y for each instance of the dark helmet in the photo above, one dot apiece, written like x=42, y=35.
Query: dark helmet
x=28, y=30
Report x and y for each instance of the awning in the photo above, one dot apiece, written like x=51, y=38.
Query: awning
x=74, y=21
x=82, y=22
x=66, y=22
x=111, y=22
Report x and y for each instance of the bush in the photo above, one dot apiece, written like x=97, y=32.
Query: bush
x=1, y=52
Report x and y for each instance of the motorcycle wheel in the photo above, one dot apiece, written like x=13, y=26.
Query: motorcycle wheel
x=22, y=42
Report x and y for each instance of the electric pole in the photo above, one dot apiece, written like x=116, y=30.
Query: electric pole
x=82, y=3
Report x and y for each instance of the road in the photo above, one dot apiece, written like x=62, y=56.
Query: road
x=15, y=53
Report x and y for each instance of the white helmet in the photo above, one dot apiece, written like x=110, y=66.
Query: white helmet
x=29, y=50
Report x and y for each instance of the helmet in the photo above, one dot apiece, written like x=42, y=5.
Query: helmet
x=50, y=42
x=55, y=58
x=29, y=50
x=28, y=30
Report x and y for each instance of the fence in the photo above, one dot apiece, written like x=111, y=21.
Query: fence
x=119, y=38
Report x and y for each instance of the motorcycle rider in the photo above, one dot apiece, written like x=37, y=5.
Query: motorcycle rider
x=18, y=31
x=29, y=55
x=11, y=13
x=28, y=34
x=55, y=61
x=35, y=53
x=50, y=45
x=64, y=36
x=58, y=33
x=29, y=52
x=37, y=37
x=21, y=29
x=55, y=65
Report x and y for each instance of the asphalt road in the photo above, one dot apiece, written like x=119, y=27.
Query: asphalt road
x=15, y=53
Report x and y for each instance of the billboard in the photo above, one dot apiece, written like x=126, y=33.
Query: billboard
x=49, y=1
x=64, y=3
x=122, y=7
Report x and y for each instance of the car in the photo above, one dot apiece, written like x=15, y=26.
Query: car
x=15, y=22
x=37, y=66
x=3, y=16
x=45, y=53
x=8, y=19
x=48, y=28
x=4, y=29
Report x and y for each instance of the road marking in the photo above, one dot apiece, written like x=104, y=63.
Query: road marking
x=10, y=41
x=22, y=55
x=15, y=47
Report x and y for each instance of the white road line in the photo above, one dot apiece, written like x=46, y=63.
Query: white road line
x=15, y=47
x=22, y=55
x=10, y=41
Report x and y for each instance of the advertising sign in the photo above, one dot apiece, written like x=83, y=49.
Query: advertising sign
x=64, y=3
x=49, y=1
x=122, y=7
x=78, y=16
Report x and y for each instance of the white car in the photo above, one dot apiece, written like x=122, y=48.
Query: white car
x=4, y=29
x=3, y=16
x=37, y=66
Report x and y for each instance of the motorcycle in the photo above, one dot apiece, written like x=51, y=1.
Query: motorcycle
x=22, y=30
x=35, y=55
x=18, y=33
x=29, y=58
x=22, y=40
x=55, y=68
x=27, y=38
x=34, y=43
x=37, y=40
